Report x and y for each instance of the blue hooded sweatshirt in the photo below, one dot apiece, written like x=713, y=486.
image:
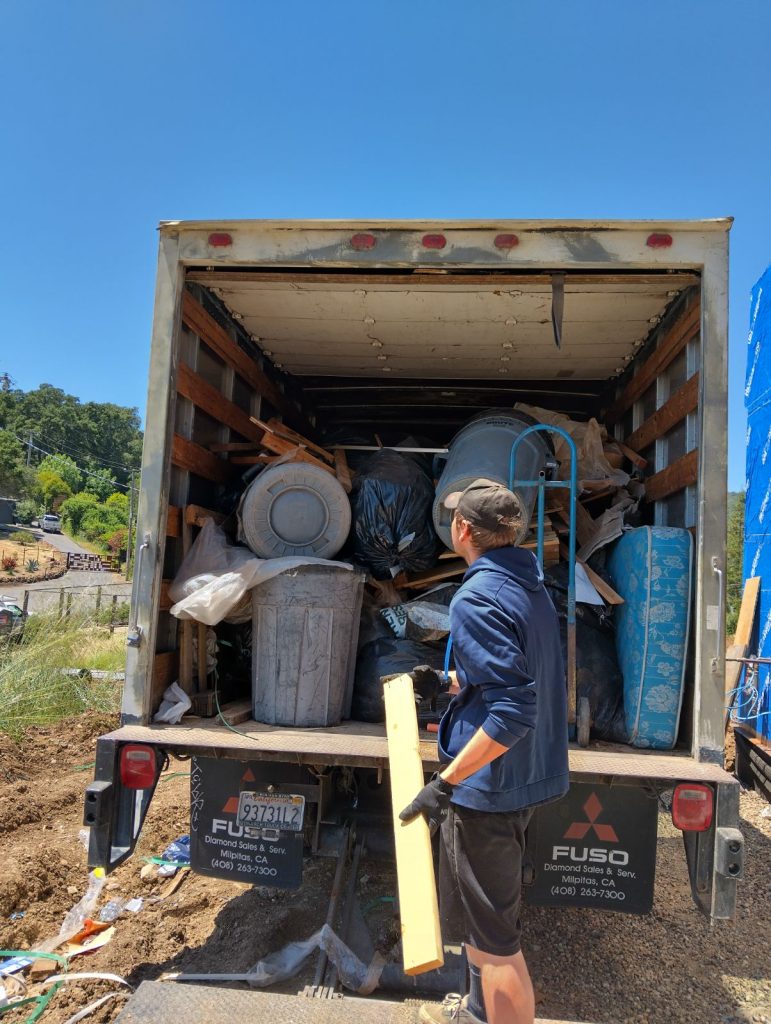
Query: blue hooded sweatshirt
x=508, y=656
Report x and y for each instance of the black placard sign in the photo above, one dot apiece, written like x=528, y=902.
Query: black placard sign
x=595, y=848
x=222, y=847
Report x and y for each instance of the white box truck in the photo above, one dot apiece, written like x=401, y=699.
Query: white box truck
x=406, y=327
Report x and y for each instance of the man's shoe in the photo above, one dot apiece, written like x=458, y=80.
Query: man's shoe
x=453, y=1010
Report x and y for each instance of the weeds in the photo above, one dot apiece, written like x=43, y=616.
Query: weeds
x=33, y=688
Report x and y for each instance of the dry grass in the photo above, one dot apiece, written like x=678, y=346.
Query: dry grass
x=33, y=688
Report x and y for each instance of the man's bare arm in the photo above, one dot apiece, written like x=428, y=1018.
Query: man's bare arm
x=479, y=751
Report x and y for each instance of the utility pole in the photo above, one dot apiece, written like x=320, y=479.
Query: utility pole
x=130, y=526
x=29, y=448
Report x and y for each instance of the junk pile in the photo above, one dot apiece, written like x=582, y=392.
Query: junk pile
x=261, y=595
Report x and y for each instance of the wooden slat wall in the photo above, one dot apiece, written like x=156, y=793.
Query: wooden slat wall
x=207, y=328
x=165, y=670
x=165, y=601
x=685, y=400
x=679, y=334
x=206, y=397
x=675, y=477
x=191, y=456
x=174, y=521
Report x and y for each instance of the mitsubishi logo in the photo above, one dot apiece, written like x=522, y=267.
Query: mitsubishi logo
x=579, y=829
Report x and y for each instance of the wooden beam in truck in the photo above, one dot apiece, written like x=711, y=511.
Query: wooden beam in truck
x=209, y=331
x=674, y=340
x=165, y=670
x=206, y=397
x=680, y=474
x=191, y=456
x=684, y=400
x=627, y=281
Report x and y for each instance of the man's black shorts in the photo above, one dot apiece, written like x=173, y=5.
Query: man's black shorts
x=480, y=877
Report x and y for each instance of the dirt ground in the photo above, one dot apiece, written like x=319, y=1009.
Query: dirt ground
x=587, y=965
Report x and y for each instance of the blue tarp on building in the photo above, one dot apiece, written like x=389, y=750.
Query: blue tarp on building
x=755, y=709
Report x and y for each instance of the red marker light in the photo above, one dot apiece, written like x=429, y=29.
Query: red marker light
x=137, y=766
x=692, y=805
x=434, y=241
x=363, y=241
x=657, y=241
x=220, y=238
x=506, y=241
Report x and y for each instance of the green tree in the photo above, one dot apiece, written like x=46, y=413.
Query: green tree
x=101, y=483
x=74, y=509
x=12, y=475
x=66, y=468
x=119, y=503
x=734, y=561
x=52, y=490
x=103, y=432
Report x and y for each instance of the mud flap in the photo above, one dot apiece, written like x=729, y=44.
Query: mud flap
x=223, y=847
x=595, y=848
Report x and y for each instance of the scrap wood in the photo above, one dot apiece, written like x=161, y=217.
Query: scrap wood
x=603, y=588
x=632, y=455
x=418, y=906
x=173, y=884
x=280, y=446
x=342, y=470
x=446, y=571
x=235, y=446
x=741, y=645
x=292, y=435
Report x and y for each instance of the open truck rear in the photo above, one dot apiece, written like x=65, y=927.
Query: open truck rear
x=410, y=328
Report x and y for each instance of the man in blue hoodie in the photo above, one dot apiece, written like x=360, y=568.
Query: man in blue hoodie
x=504, y=744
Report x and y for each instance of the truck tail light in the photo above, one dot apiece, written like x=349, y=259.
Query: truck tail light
x=219, y=239
x=138, y=766
x=659, y=241
x=506, y=241
x=692, y=806
x=434, y=241
x=363, y=241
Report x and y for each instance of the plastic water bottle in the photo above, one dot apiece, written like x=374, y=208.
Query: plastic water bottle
x=74, y=918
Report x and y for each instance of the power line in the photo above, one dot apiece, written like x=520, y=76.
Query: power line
x=85, y=472
x=79, y=453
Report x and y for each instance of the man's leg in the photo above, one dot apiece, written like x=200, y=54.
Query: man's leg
x=507, y=988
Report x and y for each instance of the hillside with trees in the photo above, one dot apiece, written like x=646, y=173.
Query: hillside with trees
x=58, y=454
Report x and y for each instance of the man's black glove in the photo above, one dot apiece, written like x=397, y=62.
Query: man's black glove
x=432, y=802
x=428, y=683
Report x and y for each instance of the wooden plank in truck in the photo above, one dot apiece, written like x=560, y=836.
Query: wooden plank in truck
x=206, y=397
x=684, y=400
x=682, y=473
x=191, y=456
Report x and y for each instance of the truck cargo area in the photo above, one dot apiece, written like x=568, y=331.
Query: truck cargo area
x=411, y=355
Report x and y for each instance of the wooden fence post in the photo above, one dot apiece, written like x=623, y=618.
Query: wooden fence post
x=61, y=602
x=25, y=603
x=98, y=602
x=69, y=603
x=113, y=608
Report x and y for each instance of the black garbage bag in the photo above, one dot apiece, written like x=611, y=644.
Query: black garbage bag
x=392, y=504
x=387, y=657
x=598, y=675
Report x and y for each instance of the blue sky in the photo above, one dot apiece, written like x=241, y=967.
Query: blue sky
x=121, y=115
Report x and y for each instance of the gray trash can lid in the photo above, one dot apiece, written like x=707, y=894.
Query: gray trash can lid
x=295, y=509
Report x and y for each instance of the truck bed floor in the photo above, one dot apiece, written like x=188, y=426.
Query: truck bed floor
x=363, y=744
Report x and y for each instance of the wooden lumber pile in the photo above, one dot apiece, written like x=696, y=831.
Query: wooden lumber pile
x=275, y=443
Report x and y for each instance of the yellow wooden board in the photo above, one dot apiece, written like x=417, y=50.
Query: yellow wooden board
x=421, y=934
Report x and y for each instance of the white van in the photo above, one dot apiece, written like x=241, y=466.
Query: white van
x=50, y=523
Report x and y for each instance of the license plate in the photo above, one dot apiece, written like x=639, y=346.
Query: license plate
x=271, y=810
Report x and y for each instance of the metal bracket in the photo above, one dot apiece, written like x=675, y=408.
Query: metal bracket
x=134, y=635
x=720, y=643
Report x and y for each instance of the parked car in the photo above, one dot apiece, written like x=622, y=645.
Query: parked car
x=12, y=617
x=50, y=523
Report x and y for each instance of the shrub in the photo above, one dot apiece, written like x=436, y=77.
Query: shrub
x=26, y=511
x=9, y=564
x=32, y=565
x=117, y=541
x=74, y=509
x=23, y=537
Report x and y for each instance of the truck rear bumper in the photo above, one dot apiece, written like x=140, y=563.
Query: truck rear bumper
x=364, y=745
